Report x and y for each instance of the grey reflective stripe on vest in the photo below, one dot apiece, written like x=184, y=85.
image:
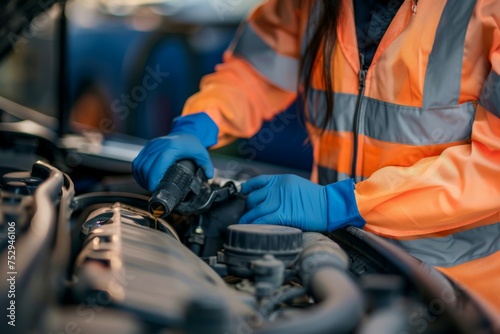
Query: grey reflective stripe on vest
x=444, y=69
x=490, y=96
x=280, y=70
x=328, y=175
x=396, y=123
x=344, y=106
x=418, y=126
x=455, y=249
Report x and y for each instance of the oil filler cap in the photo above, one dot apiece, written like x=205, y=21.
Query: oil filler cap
x=246, y=243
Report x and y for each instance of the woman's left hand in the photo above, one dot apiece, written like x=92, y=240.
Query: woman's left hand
x=285, y=200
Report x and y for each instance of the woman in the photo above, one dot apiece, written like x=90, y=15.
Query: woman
x=402, y=102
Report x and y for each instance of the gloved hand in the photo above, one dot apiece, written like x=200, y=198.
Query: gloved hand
x=294, y=201
x=189, y=139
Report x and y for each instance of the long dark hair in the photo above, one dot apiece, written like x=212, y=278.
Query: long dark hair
x=324, y=35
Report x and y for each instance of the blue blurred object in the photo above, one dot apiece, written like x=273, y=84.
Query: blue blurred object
x=282, y=141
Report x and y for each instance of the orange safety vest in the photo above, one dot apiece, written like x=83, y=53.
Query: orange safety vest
x=426, y=157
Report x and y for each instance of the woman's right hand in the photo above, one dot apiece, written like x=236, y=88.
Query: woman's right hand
x=159, y=154
x=190, y=137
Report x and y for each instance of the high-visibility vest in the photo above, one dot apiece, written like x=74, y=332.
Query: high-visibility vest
x=424, y=143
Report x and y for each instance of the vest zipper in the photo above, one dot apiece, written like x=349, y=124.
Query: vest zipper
x=414, y=7
x=362, y=83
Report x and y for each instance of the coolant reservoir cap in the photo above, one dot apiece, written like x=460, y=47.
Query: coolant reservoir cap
x=247, y=243
x=264, y=239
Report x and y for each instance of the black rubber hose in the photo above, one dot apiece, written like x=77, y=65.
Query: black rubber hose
x=339, y=303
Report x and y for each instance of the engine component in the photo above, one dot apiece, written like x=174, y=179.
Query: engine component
x=133, y=267
x=184, y=190
x=269, y=275
x=338, y=302
x=128, y=214
x=20, y=183
x=178, y=181
x=247, y=243
x=35, y=206
x=129, y=273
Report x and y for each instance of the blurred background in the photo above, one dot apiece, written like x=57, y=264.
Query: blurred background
x=112, y=46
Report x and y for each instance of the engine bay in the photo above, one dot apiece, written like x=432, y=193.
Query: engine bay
x=100, y=262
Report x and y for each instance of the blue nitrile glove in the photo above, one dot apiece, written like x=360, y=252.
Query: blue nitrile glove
x=190, y=137
x=294, y=201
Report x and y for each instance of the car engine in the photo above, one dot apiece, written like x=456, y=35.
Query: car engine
x=100, y=262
